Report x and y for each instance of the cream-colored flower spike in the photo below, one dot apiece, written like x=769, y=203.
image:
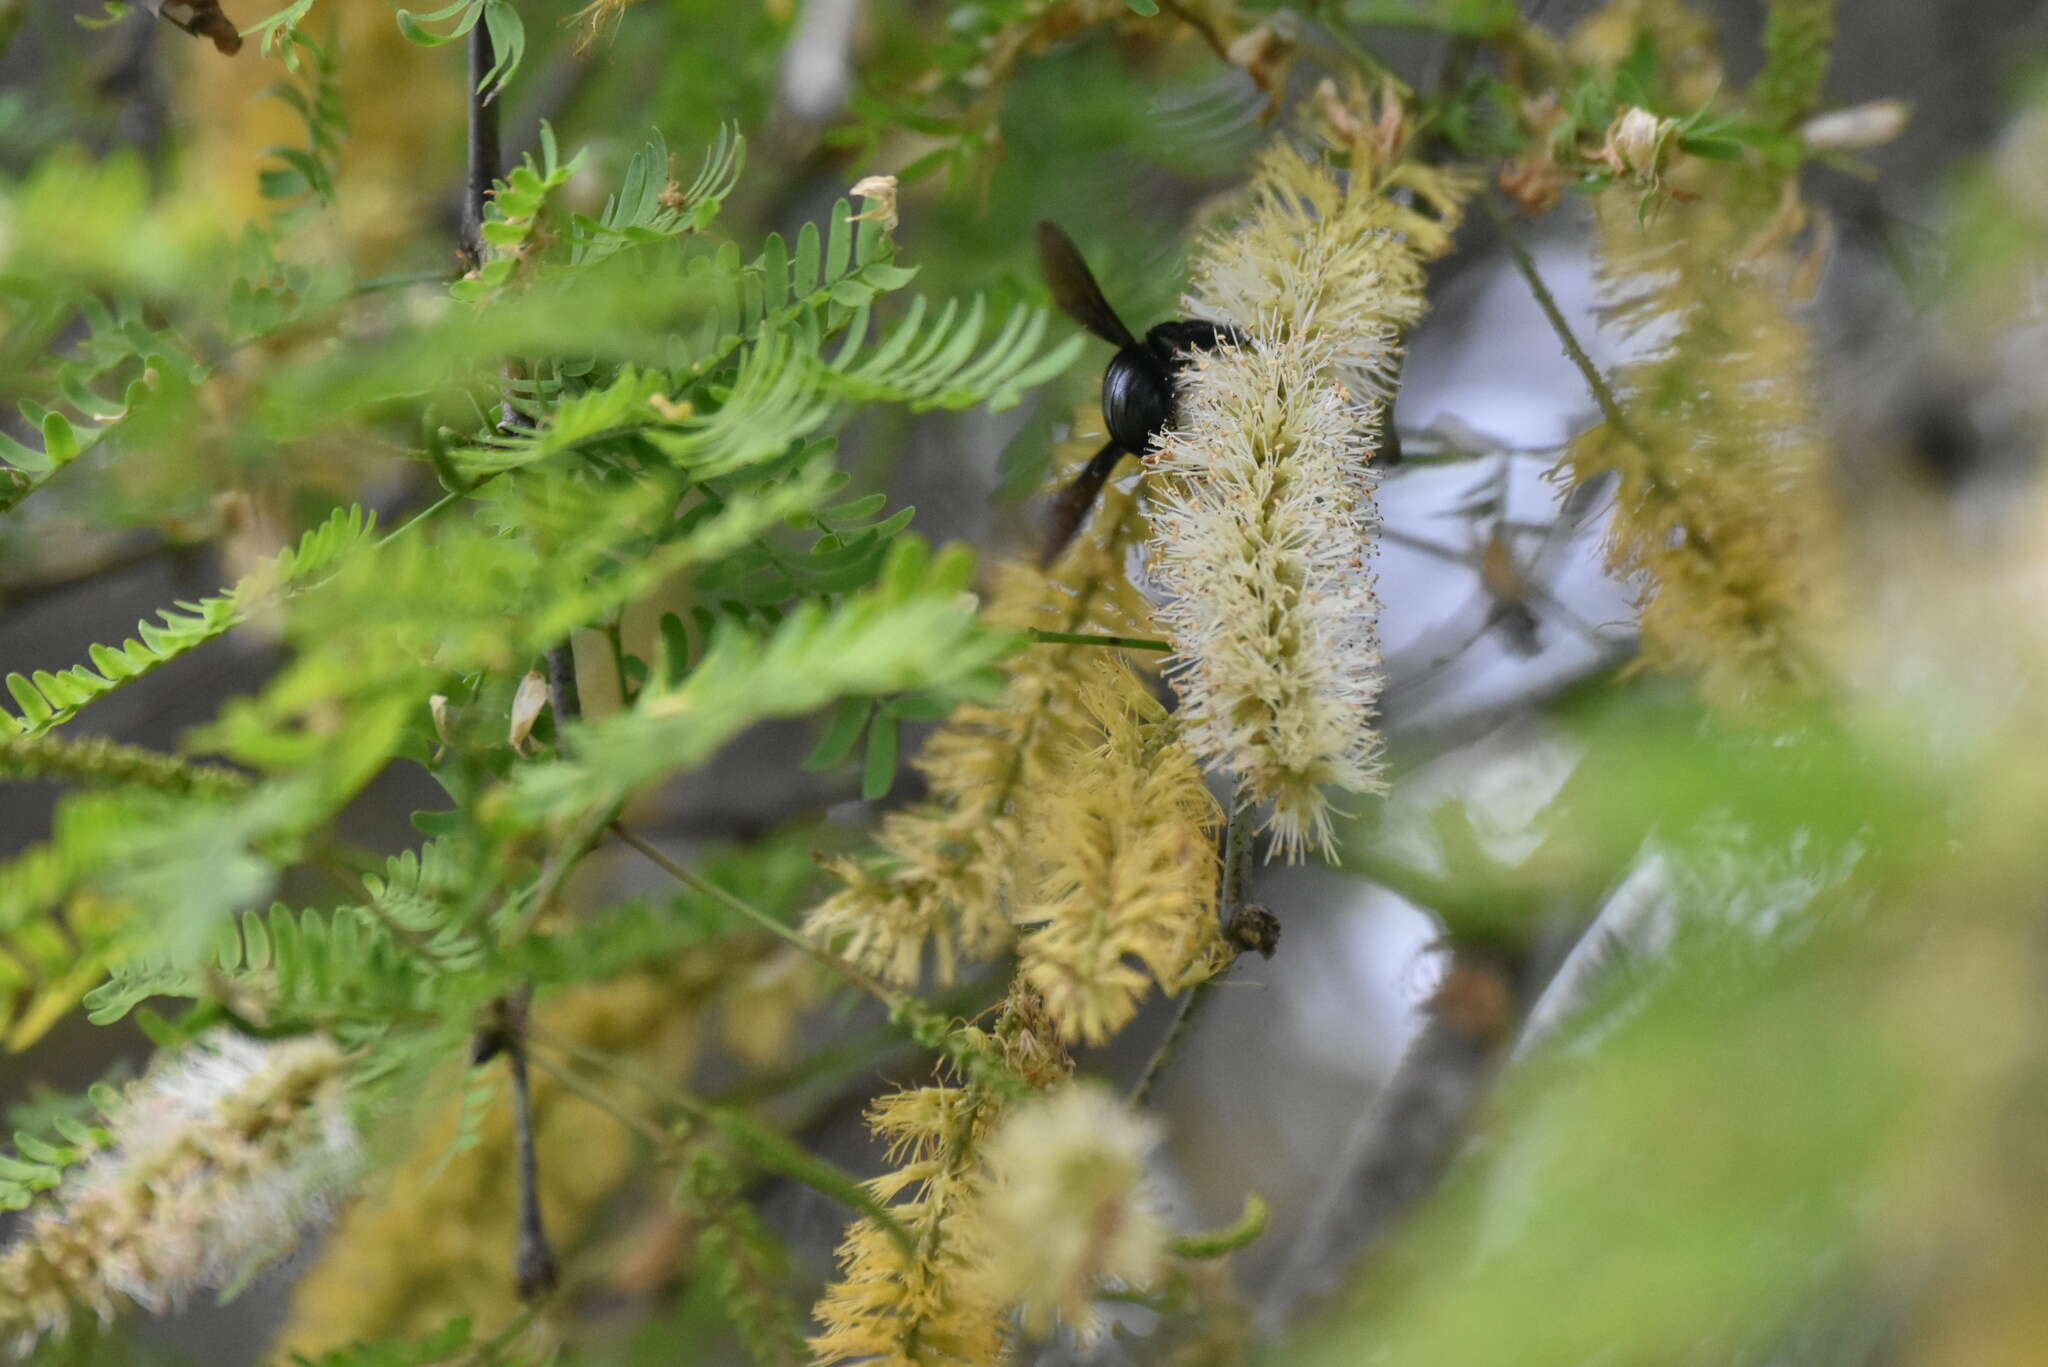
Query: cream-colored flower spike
x=1264, y=518
x=219, y=1160
x=1066, y=1211
x=1263, y=527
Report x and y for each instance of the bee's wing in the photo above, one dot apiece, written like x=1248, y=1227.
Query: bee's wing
x=1074, y=501
x=1074, y=288
x=201, y=19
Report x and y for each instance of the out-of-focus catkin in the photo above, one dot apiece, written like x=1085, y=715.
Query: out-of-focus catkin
x=434, y=1238
x=221, y=1157
x=935, y=1303
x=400, y=99
x=1723, y=506
x=1723, y=512
x=1263, y=512
x=1065, y=1211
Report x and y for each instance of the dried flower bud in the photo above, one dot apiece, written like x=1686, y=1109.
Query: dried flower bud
x=880, y=192
x=1266, y=54
x=1345, y=124
x=527, y=703
x=201, y=19
x=1638, y=143
x=1534, y=180
x=1857, y=128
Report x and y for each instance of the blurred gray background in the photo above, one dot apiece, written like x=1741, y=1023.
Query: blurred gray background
x=1293, y=1051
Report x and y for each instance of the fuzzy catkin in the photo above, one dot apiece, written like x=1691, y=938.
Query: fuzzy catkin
x=1722, y=505
x=1263, y=511
x=950, y=869
x=1126, y=850
x=221, y=1158
x=1065, y=1209
x=1263, y=528
x=936, y=1303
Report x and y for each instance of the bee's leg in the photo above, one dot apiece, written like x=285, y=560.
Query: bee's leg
x=1074, y=501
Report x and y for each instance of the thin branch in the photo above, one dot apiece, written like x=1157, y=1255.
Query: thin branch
x=1201, y=26
x=534, y=1271
x=582, y=1087
x=1603, y=395
x=491, y=1350
x=1330, y=16
x=534, y=1264
x=452, y=496
x=857, y=1055
x=1408, y=1134
x=1238, y=914
x=399, y=282
x=1089, y=638
x=690, y=878
x=486, y=159
x=1610, y=409
x=767, y=1148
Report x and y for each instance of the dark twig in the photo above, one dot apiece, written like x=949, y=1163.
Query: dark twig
x=533, y=1269
x=1245, y=926
x=568, y=703
x=486, y=159
x=1412, y=1130
x=504, y=1032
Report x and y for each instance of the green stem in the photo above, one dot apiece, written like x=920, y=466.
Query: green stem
x=763, y=1145
x=690, y=878
x=856, y=1055
x=393, y=282
x=98, y=760
x=1216, y=1243
x=1610, y=409
x=452, y=496
x=1334, y=23
x=614, y=634
x=1089, y=638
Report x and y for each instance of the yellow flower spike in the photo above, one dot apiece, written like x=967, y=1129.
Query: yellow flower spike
x=1126, y=842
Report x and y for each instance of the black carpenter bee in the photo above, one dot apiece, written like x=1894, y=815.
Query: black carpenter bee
x=1137, y=389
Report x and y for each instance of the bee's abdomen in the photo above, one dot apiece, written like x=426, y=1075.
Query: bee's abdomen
x=1137, y=398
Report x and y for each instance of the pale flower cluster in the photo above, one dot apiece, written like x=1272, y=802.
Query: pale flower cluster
x=1264, y=520
x=1065, y=1209
x=221, y=1158
x=952, y=868
x=1125, y=843
x=1264, y=529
